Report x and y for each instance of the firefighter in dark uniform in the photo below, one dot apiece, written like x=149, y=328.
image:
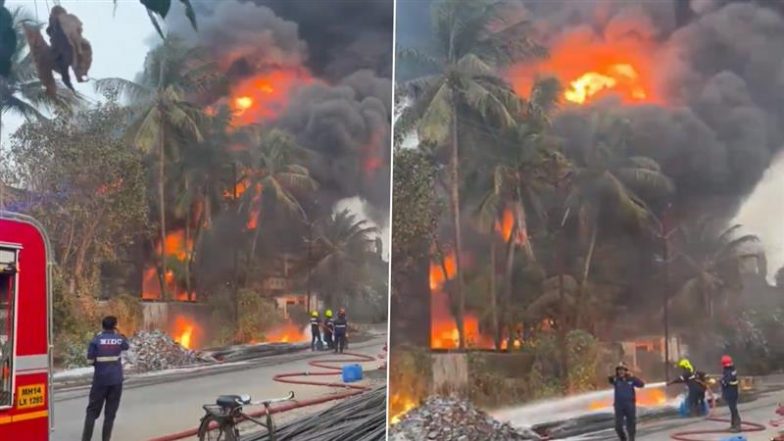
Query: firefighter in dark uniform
x=696, y=385
x=329, y=329
x=315, y=331
x=625, y=404
x=341, y=331
x=104, y=354
x=729, y=390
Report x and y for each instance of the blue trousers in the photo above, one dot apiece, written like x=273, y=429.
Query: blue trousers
x=108, y=399
x=626, y=421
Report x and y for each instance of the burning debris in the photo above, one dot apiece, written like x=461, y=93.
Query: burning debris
x=156, y=351
x=452, y=419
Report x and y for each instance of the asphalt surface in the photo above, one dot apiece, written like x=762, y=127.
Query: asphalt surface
x=758, y=411
x=155, y=408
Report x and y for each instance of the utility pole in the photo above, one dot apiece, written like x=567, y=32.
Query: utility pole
x=665, y=237
x=234, y=287
x=310, y=261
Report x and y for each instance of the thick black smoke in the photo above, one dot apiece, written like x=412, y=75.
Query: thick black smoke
x=347, y=125
x=718, y=68
x=345, y=117
x=333, y=38
x=343, y=36
x=723, y=88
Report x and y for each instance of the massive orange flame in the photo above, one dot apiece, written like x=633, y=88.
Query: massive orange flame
x=443, y=329
x=174, y=246
x=186, y=332
x=265, y=95
x=590, y=68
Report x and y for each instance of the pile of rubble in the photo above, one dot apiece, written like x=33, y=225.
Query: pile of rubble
x=155, y=351
x=453, y=419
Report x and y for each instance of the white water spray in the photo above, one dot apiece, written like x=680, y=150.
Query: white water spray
x=560, y=409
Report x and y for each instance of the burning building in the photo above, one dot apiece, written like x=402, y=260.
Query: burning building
x=288, y=67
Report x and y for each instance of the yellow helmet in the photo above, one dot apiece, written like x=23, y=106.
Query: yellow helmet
x=328, y=313
x=314, y=314
x=685, y=364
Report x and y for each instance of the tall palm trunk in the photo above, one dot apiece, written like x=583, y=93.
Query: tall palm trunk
x=188, y=218
x=493, y=296
x=161, y=201
x=455, y=205
x=508, y=277
x=584, y=280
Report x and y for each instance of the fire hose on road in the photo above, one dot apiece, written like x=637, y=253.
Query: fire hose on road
x=746, y=426
x=330, y=369
x=691, y=434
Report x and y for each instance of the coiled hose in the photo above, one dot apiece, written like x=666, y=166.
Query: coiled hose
x=330, y=370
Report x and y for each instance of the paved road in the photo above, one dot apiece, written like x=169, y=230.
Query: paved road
x=759, y=411
x=153, y=410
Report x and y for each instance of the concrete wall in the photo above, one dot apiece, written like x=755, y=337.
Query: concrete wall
x=450, y=373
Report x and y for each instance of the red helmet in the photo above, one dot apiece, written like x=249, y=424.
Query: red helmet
x=726, y=360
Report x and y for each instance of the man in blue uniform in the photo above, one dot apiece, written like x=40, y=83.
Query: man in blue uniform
x=729, y=390
x=104, y=354
x=625, y=402
x=341, y=331
x=315, y=330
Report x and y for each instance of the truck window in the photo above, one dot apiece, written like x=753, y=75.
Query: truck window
x=7, y=297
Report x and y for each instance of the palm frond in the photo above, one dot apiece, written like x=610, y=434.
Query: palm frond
x=133, y=91
x=434, y=126
x=645, y=162
x=146, y=135
x=649, y=180
x=419, y=58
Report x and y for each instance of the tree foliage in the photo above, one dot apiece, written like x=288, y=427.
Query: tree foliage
x=85, y=184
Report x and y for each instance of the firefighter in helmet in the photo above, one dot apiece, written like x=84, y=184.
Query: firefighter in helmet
x=329, y=329
x=696, y=385
x=625, y=404
x=315, y=330
x=341, y=331
x=729, y=390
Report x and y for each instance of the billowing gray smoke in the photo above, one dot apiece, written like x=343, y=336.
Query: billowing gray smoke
x=718, y=68
x=722, y=84
x=348, y=125
x=343, y=36
x=344, y=118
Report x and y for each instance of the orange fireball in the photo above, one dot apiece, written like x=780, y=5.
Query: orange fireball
x=591, y=67
x=265, y=95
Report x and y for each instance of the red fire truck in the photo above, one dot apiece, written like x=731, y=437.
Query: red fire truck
x=25, y=330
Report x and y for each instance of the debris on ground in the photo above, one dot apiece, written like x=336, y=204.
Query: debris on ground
x=156, y=351
x=359, y=418
x=453, y=419
x=250, y=351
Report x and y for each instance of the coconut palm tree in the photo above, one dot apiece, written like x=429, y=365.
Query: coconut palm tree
x=474, y=38
x=163, y=116
x=524, y=166
x=203, y=176
x=713, y=257
x=275, y=176
x=344, y=245
x=606, y=181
